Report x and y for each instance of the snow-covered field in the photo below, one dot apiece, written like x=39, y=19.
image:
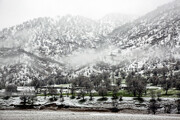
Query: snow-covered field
x=74, y=102
x=127, y=103
x=67, y=115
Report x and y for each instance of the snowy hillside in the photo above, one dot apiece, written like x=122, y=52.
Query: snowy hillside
x=152, y=39
x=72, y=45
x=44, y=46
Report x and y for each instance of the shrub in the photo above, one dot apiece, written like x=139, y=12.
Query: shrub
x=53, y=99
x=82, y=100
x=178, y=105
x=141, y=100
x=11, y=88
x=102, y=92
x=72, y=97
x=6, y=97
x=153, y=106
x=120, y=98
x=103, y=99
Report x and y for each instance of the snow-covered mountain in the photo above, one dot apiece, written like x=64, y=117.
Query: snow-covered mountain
x=72, y=45
x=151, y=40
x=48, y=45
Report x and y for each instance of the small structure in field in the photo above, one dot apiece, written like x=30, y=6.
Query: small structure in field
x=25, y=89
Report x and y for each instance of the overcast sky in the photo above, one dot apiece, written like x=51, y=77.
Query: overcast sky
x=14, y=12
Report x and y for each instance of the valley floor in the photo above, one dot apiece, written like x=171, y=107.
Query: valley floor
x=69, y=115
x=128, y=105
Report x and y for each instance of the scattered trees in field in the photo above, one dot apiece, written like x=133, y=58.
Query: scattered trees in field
x=159, y=95
x=118, y=82
x=27, y=99
x=90, y=89
x=82, y=93
x=177, y=86
x=45, y=93
x=78, y=95
x=53, y=93
x=115, y=92
x=153, y=106
x=96, y=80
x=120, y=98
x=50, y=82
x=123, y=74
x=72, y=91
x=2, y=84
x=101, y=84
x=136, y=84
x=24, y=100
x=60, y=79
x=167, y=108
x=61, y=93
x=178, y=105
x=154, y=80
x=166, y=83
x=176, y=80
x=36, y=83
x=102, y=92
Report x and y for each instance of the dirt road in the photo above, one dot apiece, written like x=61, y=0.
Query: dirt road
x=68, y=115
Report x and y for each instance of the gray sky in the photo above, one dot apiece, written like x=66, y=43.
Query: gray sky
x=14, y=12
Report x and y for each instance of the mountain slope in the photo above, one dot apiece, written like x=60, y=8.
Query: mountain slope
x=152, y=38
x=73, y=45
x=43, y=45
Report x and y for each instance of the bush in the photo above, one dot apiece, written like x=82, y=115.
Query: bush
x=159, y=95
x=167, y=108
x=72, y=97
x=2, y=85
x=52, y=91
x=6, y=97
x=102, y=92
x=114, y=109
x=178, y=105
x=141, y=100
x=152, y=100
x=53, y=99
x=91, y=99
x=153, y=106
x=115, y=92
x=103, y=99
x=11, y=88
x=136, y=84
x=82, y=100
x=120, y=98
